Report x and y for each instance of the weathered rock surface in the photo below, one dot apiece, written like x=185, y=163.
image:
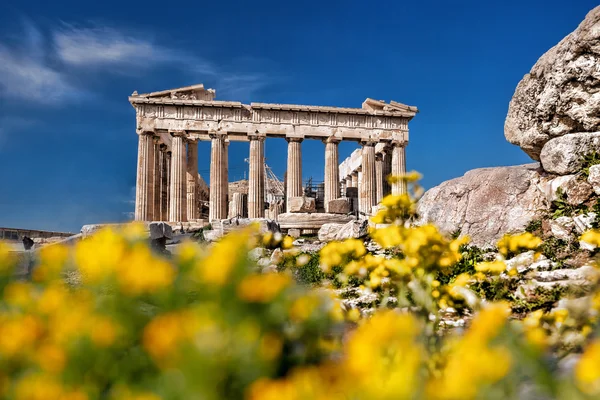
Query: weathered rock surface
x=564, y=155
x=353, y=230
x=562, y=228
x=350, y=230
x=339, y=206
x=301, y=204
x=306, y=221
x=594, y=178
x=485, y=203
x=576, y=191
x=560, y=94
x=224, y=226
x=328, y=232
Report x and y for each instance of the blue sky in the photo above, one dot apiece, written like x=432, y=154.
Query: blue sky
x=67, y=132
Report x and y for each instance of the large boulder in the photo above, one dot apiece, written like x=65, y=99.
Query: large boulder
x=564, y=155
x=486, y=203
x=560, y=94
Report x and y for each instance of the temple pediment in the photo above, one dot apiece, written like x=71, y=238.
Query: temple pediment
x=194, y=92
x=392, y=106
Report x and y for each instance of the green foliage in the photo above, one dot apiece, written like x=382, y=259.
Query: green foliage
x=587, y=161
x=534, y=226
x=540, y=299
x=496, y=288
x=310, y=273
x=471, y=255
x=561, y=207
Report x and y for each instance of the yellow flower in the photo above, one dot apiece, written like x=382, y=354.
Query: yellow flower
x=141, y=272
x=98, y=256
x=262, y=288
x=220, y=261
x=51, y=358
x=592, y=237
x=270, y=346
x=491, y=267
x=288, y=243
x=587, y=370
x=517, y=243
x=303, y=307
x=7, y=259
x=52, y=261
x=103, y=331
x=165, y=333
x=19, y=294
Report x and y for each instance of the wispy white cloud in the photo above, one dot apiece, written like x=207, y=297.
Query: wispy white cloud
x=25, y=73
x=41, y=68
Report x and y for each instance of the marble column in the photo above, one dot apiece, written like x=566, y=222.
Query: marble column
x=157, y=180
x=165, y=170
x=379, y=177
x=144, y=190
x=353, y=192
x=216, y=208
x=256, y=178
x=387, y=171
x=354, y=179
x=192, y=180
x=332, y=175
x=294, y=169
x=398, y=167
x=225, y=176
x=342, y=186
x=178, y=195
x=368, y=188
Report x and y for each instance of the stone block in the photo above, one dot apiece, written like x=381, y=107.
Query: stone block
x=301, y=204
x=576, y=190
x=295, y=233
x=159, y=230
x=563, y=155
x=310, y=220
x=351, y=230
x=328, y=232
x=594, y=178
x=338, y=206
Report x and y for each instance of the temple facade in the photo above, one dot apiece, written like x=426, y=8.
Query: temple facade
x=170, y=123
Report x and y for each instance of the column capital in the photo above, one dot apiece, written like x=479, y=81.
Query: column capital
x=156, y=139
x=294, y=139
x=378, y=157
x=398, y=143
x=177, y=133
x=255, y=136
x=146, y=133
x=369, y=142
x=332, y=139
x=162, y=147
x=217, y=135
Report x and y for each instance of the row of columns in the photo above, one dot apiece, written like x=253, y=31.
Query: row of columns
x=167, y=182
x=370, y=179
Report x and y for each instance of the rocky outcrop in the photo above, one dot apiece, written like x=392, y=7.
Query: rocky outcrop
x=486, y=203
x=560, y=94
x=564, y=155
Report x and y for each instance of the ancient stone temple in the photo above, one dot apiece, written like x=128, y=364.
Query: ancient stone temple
x=170, y=123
